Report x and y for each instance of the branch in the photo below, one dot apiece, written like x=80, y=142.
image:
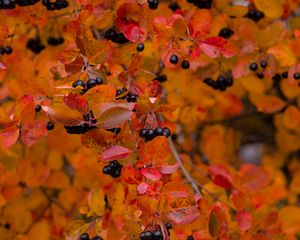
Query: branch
x=185, y=172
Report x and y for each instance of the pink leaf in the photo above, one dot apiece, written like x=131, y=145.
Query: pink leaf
x=221, y=176
x=33, y=132
x=244, y=220
x=151, y=173
x=169, y=169
x=115, y=152
x=183, y=215
x=216, y=46
x=2, y=66
x=142, y=188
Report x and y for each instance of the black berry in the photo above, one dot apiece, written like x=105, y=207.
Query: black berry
x=91, y=83
x=161, y=78
x=149, y=135
x=190, y=238
x=148, y=235
x=84, y=236
x=225, y=33
x=253, y=67
x=174, y=59
x=166, y=132
x=99, y=80
x=97, y=238
x=185, y=64
x=168, y=226
x=174, y=6
x=229, y=82
x=264, y=64
x=50, y=126
x=38, y=108
x=153, y=4
x=140, y=47
x=157, y=235
x=142, y=133
x=78, y=83
x=296, y=76
x=285, y=75
x=260, y=75
x=158, y=132
x=7, y=50
x=255, y=15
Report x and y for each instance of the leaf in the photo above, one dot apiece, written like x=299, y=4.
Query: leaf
x=291, y=117
x=131, y=175
x=115, y=152
x=3, y=32
x=33, y=132
x=96, y=202
x=68, y=56
x=216, y=46
x=271, y=8
x=214, y=225
x=269, y=104
x=200, y=24
x=244, y=220
x=9, y=136
x=97, y=138
x=155, y=152
x=142, y=188
x=221, y=176
x=77, y=102
x=169, y=169
x=113, y=115
x=151, y=173
x=99, y=95
x=63, y=114
x=183, y=215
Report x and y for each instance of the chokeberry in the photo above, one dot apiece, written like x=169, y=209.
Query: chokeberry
x=50, y=126
x=116, y=173
x=260, y=75
x=78, y=83
x=7, y=50
x=168, y=226
x=296, y=76
x=190, y=238
x=38, y=108
x=166, y=132
x=158, y=132
x=285, y=75
x=157, y=235
x=91, y=83
x=276, y=77
x=131, y=97
x=225, y=33
x=148, y=235
x=106, y=170
x=97, y=238
x=229, y=81
x=84, y=236
x=185, y=64
x=174, y=59
x=142, y=133
x=140, y=47
x=149, y=135
x=253, y=67
x=161, y=78
x=263, y=64
x=255, y=15
x=142, y=236
x=99, y=80
x=7, y=225
x=174, y=6
x=153, y=4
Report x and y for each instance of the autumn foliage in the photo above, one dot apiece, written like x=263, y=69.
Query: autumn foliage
x=122, y=118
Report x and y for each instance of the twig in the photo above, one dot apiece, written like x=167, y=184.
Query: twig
x=75, y=8
x=133, y=134
x=185, y=172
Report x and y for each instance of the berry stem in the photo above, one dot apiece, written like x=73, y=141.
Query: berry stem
x=185, y=172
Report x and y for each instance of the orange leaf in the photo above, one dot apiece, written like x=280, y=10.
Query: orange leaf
x=269, y=104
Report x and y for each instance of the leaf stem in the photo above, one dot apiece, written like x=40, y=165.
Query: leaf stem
x=75, y=8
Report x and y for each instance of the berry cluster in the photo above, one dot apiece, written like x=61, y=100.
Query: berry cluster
x=255, y=15
x=130, y=97
x=185, y=64
x=6, y=50
x=85, y=236
x=35, y=45
x=153, y=4
x=53, y=41
x=57, y=5
x=150, y=134
x=11, y=4
x=148, y=235
x=222, y=83
x=254, y=67
x=115, y=37
x=89, y=84
x=225, y=33
x=113, y=169
x=202, y=4
x=83, y=127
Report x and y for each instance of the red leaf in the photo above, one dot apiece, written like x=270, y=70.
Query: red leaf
x=183, y=215
x=2, y=66
x=151, y=173
x=221, y=176
x=77, y=102
x=33, y=132
x=216, y=46
x=142, y=188
x=200, y=24
x=244, y=220
x=9, y=136
x=115, y=152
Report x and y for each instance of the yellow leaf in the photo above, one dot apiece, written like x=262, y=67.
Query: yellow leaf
x=96, y=202
x=271, y=8
x=252, y=84
x=290, y=218
x=291, y=117
x=40, y=230
x=283, y=54
x=269, y=104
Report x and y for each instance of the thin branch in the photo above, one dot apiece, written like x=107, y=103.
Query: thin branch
x=75, y=8
x=185, y=172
